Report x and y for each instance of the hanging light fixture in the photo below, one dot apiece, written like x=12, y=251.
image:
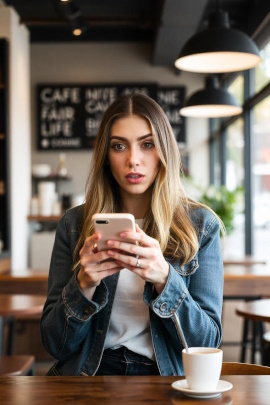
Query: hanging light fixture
x=211, y=102
x=72, y=13
x=219, y=48
x=78, y=26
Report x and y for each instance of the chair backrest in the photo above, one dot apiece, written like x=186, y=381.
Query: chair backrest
x=244, y=369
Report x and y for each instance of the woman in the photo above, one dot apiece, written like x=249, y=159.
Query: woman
x=116, y=316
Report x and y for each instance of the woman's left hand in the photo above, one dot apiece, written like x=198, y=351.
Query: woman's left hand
x=149, y=264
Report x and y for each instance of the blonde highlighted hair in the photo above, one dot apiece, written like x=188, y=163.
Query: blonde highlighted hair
x=168, y=217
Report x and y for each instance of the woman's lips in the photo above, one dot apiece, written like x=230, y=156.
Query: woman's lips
x=134, y=178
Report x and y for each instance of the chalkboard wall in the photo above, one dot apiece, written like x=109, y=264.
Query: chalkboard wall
x=69, y=115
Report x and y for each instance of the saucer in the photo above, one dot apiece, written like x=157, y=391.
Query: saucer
x=182, y=386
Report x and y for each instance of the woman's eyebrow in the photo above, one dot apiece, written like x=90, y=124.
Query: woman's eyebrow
x=126, y=139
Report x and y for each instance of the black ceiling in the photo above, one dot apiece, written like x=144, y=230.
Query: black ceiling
x=167, y=24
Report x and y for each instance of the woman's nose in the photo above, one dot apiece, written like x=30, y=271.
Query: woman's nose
x=134, y=157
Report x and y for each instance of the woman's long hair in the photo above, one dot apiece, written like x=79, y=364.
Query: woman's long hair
x=168, y=217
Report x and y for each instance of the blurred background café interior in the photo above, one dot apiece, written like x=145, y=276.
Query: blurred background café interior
x=63, y=62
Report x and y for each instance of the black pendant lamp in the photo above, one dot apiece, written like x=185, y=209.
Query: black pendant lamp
x=211, y=102
x=219, y=48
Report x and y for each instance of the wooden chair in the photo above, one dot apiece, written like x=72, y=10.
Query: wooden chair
x=244, y=369
x=266, y=348
x=254, y=313
x=17, y=365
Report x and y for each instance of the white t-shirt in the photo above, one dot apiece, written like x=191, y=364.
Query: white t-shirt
x=130, y=324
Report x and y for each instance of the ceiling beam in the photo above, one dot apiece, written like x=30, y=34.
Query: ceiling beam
x=179, y=21
x=110, y=21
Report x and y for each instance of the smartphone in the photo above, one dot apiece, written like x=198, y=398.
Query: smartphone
x=110, y=226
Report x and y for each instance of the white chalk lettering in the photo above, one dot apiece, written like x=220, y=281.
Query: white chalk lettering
x=64, y=95
x=173, y=116
x=57, y=114
x=169, y=97
x=91, y=124
x=64, y=143
x=142, y=90
x=106, y=93
x=56, y=128
x=93, y=106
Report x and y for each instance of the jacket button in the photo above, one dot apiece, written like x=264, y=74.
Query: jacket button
x=163, y=306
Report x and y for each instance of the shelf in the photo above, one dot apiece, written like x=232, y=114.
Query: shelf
x=40, y=218
x=2, y=188
x=5, y=262
x=52, y=178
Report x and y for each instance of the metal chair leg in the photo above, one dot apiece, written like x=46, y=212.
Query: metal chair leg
x=253, y=343
x=244, y=341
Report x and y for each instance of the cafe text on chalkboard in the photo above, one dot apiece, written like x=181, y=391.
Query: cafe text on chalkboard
x=69, y=115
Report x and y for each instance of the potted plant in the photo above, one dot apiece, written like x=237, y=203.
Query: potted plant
x=223, y=202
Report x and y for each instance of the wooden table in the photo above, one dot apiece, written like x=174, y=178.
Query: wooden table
x=246, y=281
x=12, y=305
x=246, y=261
x=255, y=311
x=27, y=282
x=247, y=390
x=240, y=280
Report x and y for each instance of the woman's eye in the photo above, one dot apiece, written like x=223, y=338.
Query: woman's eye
x=148, y=145
x=118, y=146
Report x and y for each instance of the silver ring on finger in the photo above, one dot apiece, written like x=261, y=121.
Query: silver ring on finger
x=138, y=262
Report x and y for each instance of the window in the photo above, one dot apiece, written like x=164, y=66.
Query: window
x=235, y=155
x=261, y=179
x=262, y=71
x=235, y=175
x=237, y=89
x=235, y=167
x=217, y=174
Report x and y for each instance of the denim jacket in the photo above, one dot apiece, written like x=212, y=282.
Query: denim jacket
x=74, y=329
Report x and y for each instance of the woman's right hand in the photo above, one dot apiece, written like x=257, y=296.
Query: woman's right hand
x=94, y=264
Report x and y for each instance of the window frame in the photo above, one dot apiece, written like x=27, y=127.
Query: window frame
x=262, y=37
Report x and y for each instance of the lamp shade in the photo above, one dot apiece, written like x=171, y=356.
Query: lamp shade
x=218, y=49
x=211, y=102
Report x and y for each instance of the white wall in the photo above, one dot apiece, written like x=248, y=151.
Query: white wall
x=198, y=150
x=107, y=63
x=20, y=150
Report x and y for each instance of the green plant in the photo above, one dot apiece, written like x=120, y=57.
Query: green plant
x=223, y=202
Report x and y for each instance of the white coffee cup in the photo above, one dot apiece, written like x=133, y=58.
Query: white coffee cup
x=202, y=366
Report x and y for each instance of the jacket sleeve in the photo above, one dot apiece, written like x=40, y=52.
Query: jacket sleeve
x=67, y=313
x=196, y=300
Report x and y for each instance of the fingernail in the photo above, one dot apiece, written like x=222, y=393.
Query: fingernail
x=110, y=252
x=110, y=242
x=123, y=234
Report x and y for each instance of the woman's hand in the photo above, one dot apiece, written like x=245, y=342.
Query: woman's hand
x=93, y=267
x=150, y=264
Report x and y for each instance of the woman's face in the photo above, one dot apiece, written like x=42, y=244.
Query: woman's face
x=132, y=155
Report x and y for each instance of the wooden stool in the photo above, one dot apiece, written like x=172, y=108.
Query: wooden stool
x=254, y=313
x=17, y=365
x=266, y=348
